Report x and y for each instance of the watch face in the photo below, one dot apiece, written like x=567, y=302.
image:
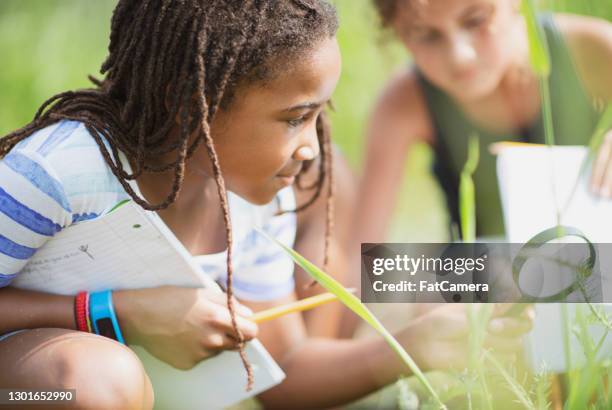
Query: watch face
x=105, y=328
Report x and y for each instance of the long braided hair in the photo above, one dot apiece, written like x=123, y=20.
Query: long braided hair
x=162, y=53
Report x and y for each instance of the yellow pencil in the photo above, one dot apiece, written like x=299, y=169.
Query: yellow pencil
x=298, y=306
x=496, y=147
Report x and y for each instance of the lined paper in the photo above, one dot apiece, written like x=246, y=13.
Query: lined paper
x=125, y=249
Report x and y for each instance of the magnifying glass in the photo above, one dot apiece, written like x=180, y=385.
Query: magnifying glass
x=533, y=248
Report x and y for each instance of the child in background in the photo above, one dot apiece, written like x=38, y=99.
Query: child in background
x=471, y=75
x=211, y=114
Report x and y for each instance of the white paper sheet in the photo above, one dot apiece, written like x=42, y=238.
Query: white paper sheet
x=533, y=183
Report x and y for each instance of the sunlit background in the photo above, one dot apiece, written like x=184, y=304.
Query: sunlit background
x=48, y=46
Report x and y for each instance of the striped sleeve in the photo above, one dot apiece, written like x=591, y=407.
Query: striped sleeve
x=33, y=208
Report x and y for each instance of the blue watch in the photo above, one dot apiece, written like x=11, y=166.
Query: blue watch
x=102, y=315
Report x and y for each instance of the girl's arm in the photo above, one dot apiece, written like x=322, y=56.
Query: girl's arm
x=324, y=321
x=180, y=326
x=29, y=310
x=399, y=120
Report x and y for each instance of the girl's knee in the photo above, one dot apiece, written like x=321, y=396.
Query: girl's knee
x=104, y=374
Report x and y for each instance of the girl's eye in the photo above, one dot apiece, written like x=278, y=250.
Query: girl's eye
x=474, y=22
x=426, y=36
x=296, y=122
x=477, y=20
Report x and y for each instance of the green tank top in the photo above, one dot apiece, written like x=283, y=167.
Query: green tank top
x=574, y=120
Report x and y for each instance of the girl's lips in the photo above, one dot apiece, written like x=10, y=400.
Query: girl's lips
x=286, y=180
x=289, y=176
x=466, y=75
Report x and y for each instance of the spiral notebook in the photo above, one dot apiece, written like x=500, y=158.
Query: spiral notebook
x=130, y=248
x=534, y=181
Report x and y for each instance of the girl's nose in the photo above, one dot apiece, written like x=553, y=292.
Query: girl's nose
x=309, y=145
x=463, y=53
x=306, y=152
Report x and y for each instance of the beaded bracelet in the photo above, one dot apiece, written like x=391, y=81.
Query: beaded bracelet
x=81, y=311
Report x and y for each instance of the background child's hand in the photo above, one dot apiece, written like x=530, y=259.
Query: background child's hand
x=438, y=340
x=601, y=177
x=180, y=326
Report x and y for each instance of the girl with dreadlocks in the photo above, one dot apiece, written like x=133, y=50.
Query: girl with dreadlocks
x=212, y=114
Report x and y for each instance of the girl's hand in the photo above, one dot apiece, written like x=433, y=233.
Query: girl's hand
x=180, y=326
x=601, y=177
x=438, y=340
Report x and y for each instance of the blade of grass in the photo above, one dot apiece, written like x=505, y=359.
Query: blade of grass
x=542, y=390
x=609, y=383
x=539, y=58
x=478, y=318
x=467, y=195
x=516, y=388
x=566, y=336
x=538, y=46
x=353, y=303
x=119, y=204
x=588, y=377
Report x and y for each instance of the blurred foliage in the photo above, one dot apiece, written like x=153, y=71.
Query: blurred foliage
x=48, y=46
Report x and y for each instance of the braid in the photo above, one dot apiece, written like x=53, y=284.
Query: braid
x=331, y=189
x=185, y=59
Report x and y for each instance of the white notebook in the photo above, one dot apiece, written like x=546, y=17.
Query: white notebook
x=526, y=176
x=130, y=248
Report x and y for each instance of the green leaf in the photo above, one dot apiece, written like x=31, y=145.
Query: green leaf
x=352, y=302
x=467, y=193
x=538, y=46
x=119, y=204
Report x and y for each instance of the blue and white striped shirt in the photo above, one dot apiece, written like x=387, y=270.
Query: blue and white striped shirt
x=57, y=177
